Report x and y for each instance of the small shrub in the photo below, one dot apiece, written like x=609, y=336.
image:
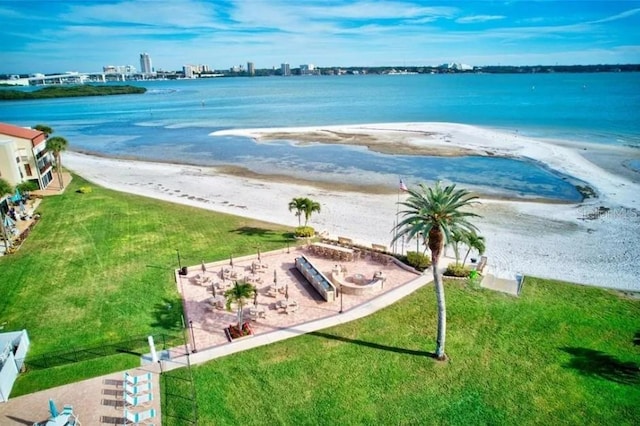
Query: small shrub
x=456, y=270
x=84, y=190
x=27, y=186
x=305, y=232
x=418, y=260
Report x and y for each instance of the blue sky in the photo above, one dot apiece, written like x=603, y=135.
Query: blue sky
x=58, y=35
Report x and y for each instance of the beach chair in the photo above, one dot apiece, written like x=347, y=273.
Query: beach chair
x=136, y=401
x=136, y=380
x=137, y=390
x=138, y=418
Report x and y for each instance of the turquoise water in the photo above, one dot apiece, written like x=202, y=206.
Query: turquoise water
x=173, y=119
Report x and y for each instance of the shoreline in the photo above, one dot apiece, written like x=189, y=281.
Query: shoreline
x=577, y=242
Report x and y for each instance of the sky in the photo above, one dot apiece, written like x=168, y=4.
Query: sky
x=84, y=35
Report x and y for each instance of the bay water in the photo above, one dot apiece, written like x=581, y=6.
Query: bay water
x=173, y=120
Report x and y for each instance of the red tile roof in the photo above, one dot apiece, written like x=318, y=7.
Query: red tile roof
x=35, y=136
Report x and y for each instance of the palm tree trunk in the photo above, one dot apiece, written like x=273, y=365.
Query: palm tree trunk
x=59, y=167
x=465, y=256
x=442, y=309
x=240, y=317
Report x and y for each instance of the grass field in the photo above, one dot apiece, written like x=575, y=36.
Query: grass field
x=559, y=354
x=99, y=267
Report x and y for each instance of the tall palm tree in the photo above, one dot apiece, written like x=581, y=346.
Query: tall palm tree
x=310, y=207
x=474, y=241
x=44, y=129
x=298, y=204
x=240, y=293
x=436, y=212
x=56, y=145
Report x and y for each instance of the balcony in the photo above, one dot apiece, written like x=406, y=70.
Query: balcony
x=43, y=166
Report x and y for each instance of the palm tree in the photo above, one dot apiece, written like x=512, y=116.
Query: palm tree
x=56, y=145
x=474, y=241
x=240, y=293
x=457, y=237
x=44, y=129
x=298, y=204
x=310, y=207
x=436, y=212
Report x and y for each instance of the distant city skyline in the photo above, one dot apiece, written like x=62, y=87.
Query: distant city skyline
x=43, y=36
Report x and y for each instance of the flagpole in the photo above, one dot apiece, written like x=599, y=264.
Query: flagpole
x=395, y=236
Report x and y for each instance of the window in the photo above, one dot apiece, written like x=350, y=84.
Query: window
x=27, y=169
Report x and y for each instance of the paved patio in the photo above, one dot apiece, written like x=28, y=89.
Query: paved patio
x=95, y=401
x=209, y=323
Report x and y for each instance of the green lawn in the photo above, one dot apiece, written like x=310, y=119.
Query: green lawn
x=99, y=267
x=559, y=354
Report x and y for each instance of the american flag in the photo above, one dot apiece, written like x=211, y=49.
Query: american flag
x=403, y=187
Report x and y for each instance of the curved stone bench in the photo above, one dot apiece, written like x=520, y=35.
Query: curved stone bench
x=356, y=289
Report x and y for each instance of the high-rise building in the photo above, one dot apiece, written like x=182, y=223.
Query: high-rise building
x=285, y=70
x=145, y=64
x=251, y=70
x=308, y=69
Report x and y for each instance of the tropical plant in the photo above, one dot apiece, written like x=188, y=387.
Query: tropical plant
x=305, y=232
x=44, y=129
x=27, y=186
x=418, y=260
x=240, y=293
x=56, y=145
x=5, y=187
x=310, y=207
x=436, y=212
x=304, y=206
x=298, y=204
x=474, y=241
x=457, y=270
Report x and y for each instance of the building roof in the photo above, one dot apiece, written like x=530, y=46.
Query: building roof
x=35, y=136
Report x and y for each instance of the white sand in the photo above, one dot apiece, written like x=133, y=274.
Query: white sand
x=546, y=240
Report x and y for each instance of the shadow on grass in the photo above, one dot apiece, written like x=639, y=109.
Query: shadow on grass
x=253, y=231
x=168, y=314
x=595, y=363
x=374, y=345
x=276, y=236
x=636, y=339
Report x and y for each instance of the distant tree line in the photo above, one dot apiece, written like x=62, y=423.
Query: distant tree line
x=69, y=91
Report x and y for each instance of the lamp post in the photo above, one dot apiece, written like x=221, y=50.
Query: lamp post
x=179, y=263
x=193, y=338
x=340, y=298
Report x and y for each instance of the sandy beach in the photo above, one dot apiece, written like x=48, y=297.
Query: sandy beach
x=596, y=242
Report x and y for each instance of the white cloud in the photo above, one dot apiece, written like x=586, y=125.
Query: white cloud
x=622, y=15
x=177, y=13
x=479, y=18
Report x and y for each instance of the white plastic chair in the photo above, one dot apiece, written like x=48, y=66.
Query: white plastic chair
x=136, y=380
x=137, y=390
x=136, y=401
x=137, y=418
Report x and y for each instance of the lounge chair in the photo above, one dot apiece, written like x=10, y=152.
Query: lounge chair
x=136, y=380
x=137, y=390
x=137, y=418
x=136, y=401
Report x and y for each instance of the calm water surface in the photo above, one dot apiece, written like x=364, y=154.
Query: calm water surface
x=172, y=122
